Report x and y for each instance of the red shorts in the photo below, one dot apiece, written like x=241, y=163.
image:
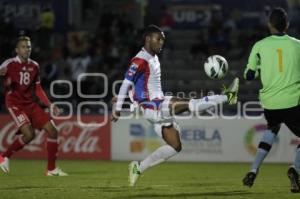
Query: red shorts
x=31, y=114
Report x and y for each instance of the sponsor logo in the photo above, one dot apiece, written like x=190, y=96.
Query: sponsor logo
x=251, y=140
x=144, y=139
x=21, y=118
x=75, y=141
x=195, y=140
x=201, y=140
x=132, y=70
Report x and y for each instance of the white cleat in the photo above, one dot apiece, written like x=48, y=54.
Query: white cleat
x=4, y=164
x=56, y=172
x=134, y=173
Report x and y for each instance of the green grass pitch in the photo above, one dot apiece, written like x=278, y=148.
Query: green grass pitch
x=106, y=179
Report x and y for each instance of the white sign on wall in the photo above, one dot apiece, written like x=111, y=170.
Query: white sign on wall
x=216, y=140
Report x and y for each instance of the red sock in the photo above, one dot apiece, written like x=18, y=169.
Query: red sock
x=52, y=153
x=17, y=145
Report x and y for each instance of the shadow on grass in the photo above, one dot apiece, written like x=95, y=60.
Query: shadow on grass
x=115, y=188
x=110, y=188
x=197, y=194
x=26, y=188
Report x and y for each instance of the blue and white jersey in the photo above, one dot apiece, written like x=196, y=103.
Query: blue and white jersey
x=145, y=73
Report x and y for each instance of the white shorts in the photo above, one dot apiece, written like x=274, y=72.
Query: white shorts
x=161, y=116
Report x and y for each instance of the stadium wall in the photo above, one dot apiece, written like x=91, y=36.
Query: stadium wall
x=214, y=140
x=204, y=140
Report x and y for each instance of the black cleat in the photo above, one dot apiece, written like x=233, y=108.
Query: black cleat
x=294, y=178
x=249, y=179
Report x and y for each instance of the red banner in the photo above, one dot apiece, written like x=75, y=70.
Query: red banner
x=75, y=141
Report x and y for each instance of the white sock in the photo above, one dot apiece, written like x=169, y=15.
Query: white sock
x=206, y=102
x=158, y=156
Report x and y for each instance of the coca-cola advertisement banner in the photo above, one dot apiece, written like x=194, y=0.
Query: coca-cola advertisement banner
x=75, y=141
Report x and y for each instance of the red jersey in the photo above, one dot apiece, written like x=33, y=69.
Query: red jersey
x=20, y=80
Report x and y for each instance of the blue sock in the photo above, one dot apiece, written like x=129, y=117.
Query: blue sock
x=268, y=138
x=297, y=159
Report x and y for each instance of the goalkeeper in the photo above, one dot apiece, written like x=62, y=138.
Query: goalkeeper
x=277, y=60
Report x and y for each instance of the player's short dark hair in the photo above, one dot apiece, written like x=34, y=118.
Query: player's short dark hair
x=150, y=30
x=22, y=38
x=279, y=19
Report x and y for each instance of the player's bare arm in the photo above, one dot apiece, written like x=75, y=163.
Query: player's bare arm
x=115, y=114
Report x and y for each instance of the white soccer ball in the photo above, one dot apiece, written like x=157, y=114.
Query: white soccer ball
x=216, y=67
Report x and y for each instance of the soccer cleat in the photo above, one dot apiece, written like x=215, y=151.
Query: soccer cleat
x=56, y=172
x=249, y=179
x=134, y=173
x=4, y=164
x=294, y=178
x=232, y=91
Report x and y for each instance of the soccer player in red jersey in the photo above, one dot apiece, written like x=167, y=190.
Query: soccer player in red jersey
x=21, y=80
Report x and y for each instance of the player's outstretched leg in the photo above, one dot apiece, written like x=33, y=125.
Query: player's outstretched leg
x=294, y=178
x=179, y=105
x=4, y=164
x=134, y=172
x=228, y=95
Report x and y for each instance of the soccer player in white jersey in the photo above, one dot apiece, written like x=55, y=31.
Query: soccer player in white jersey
x=143, y=83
